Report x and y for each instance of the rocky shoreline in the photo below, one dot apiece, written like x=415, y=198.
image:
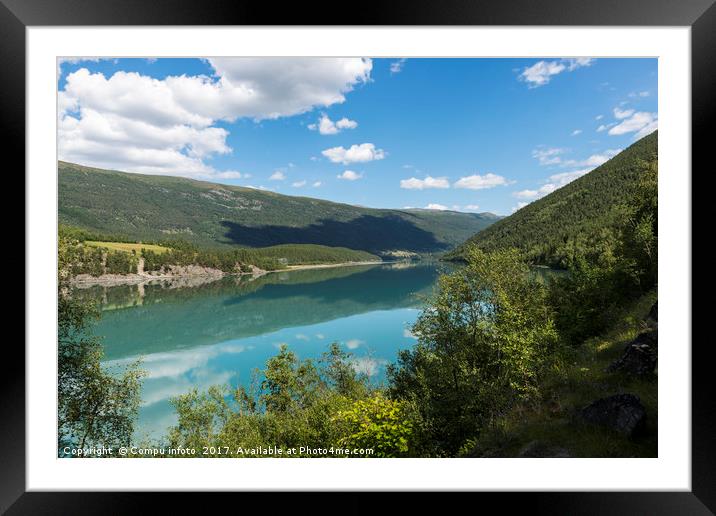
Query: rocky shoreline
x=191, y=275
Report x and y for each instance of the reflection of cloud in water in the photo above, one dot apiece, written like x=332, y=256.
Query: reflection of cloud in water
x=401, y=265
x=165, y=388
x=320, y=336
x=301, y=336
x=408, y=334
x=175, y=363
x=353, y=343
x=368, y=365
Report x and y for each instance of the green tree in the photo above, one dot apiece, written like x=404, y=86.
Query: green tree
x=482, y=342
x=96, y=407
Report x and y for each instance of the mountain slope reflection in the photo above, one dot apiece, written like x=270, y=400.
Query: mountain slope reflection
x=165, y=319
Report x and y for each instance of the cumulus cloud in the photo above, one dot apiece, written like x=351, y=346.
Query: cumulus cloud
x=278, y=175
x=622, y=113
x=421, y=184
x=397, y=66
x=548, y=156
x=355, y=154
x=472, y=207
x=137, y=123
x=299, y=184
x=349, y=175
x=435, y=206
x=554, y=182
x=641, y=123
x=594, y=160
x=480, y=182
x=327, y=126
x=576, y=132
x=520, y=205
x=317, y=184
x=542, y=72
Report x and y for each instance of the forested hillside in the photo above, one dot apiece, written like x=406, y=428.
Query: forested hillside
x=573, y=220
x=159, y=208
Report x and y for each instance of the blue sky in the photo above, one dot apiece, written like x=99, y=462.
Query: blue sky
x=462, y=134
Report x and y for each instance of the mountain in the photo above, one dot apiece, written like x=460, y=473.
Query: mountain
x=159, y=208
x=546, y=228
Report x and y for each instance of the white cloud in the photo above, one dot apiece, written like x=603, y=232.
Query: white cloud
x=548, y=156
x=541, y=72
x=422, y=184
x=555, y=181
x=597, y=159
x=327, y=126
x=594, y=160
x=397, y=66
x=435, y=206
x=136, y=123
x=278, y=175
x=598, y=117
x=299, y=184
x=472, y=207
x=349, y=175
x=642, y=94
x=519, y=206
x=640, y=122
x=229, y=174
x=478, y=182
x=576, y=132
x=317, y=184
x=625, y=113
x=355, y=154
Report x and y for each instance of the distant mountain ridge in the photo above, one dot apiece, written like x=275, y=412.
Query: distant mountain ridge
x=548, y=229
x=156, y=208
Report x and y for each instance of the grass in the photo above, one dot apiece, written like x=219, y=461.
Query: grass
x=582, y=379
x=127, y=247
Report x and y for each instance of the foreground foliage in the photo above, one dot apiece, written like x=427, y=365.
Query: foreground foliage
x=298, y=405
x=483, y=343
x=96, y=407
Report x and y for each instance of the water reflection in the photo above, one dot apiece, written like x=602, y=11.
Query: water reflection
x=220, y=332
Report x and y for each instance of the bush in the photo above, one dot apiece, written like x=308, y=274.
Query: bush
x=377, y=423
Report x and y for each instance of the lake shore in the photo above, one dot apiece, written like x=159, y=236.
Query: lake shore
x=193, y=275
x=328, y=265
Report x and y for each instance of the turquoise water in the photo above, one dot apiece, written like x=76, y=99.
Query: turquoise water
x=220, y=332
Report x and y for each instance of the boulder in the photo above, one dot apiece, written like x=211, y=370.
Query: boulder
x=640, y=355
x=542, y=449
x=622, y=413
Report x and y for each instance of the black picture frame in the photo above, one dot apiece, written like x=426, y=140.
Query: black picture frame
x=700, y=15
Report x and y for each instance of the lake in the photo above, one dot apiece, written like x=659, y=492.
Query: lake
x=218, y=333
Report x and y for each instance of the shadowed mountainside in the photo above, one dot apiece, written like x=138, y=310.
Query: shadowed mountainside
x=159, y=208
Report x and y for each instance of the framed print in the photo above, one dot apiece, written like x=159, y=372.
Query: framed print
x=414, y=252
